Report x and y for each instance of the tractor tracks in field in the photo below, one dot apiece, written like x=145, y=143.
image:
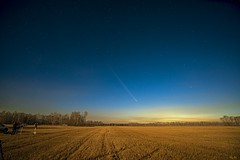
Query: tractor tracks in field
x=166, y=149
x=34, y=142
x=113, y=152
x=74, y=146
x=108, y=148
x=149, y=155
x=103, y=148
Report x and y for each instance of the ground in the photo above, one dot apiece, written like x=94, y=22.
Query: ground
x=163, y=142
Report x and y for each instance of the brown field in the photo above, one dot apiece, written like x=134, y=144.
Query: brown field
x=63, y=142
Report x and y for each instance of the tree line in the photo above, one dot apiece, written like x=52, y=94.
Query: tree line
x=77, y=118
x=231, y=120
x=55, y=118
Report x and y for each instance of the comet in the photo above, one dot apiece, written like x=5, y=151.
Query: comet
x=124, y=86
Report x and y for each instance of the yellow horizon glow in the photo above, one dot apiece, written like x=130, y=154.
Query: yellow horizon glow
x=107, y=119
x=169, y=114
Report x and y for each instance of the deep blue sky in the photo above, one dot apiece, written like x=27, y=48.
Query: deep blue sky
x=121, y=60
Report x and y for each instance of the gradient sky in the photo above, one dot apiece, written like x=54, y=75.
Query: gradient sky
x=122, y=61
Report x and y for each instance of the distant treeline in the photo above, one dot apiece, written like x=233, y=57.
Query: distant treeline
x=225, y=121
x=80, y=119
x=74, y=119
x=231, y=120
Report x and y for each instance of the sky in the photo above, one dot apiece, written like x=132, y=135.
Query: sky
x=121, y=60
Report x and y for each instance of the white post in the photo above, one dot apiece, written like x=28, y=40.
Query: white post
x=35, y=131
x=21, y=130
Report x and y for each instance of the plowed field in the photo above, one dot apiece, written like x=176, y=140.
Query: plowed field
x=63, y=142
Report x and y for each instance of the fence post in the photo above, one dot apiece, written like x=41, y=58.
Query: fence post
x=1, y=152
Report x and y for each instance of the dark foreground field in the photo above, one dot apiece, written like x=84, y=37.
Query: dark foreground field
x=63, y=142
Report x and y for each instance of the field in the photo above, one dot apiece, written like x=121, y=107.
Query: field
x=165, y=142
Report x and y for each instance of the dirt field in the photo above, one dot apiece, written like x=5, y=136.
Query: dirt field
x=62, y=142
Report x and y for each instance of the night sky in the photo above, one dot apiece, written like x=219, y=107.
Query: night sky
x=122, y=61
